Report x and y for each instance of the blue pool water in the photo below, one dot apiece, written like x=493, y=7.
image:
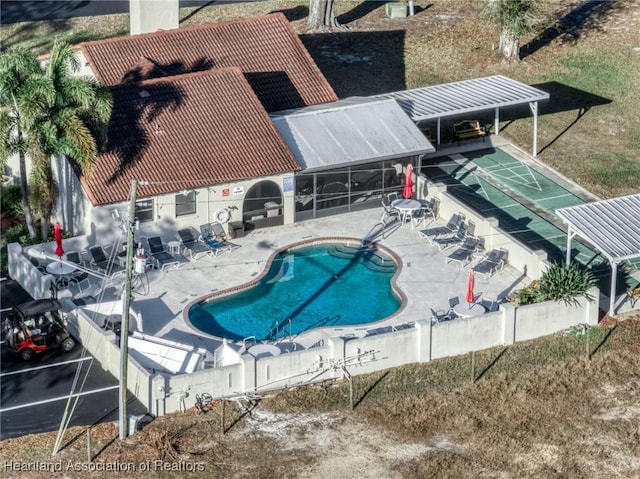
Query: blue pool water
x=317, y=286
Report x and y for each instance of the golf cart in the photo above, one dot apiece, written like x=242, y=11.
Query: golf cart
x=37, y=326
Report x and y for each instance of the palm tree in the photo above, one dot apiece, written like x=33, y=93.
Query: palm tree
x=19, y=80
x=322, y=15
x=67, y=116
x=515, y=18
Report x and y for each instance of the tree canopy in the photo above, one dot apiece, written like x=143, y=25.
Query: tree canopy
x=47, y=109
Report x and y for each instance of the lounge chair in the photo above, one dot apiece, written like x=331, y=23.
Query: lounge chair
x=161, y=256
x=494, y=261
x=193, y=245
x=103, y=263
x=430, y=234
x=464, y=253
x=214, y=236
x=447, y=241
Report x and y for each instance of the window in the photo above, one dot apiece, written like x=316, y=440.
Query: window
x=144, y=210
x=186, y=203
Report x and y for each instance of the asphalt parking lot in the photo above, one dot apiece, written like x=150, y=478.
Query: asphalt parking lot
x=35, y=394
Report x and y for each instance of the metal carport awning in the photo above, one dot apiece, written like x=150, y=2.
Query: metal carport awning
x=611, y=226
x=467, y=96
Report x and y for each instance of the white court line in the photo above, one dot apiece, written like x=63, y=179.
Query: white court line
x=5, y=309
x=36, y=368
x=556, y=197
x=45, y=401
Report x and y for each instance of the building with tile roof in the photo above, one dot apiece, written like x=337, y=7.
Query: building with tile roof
x=191, y=118
x=191, y=122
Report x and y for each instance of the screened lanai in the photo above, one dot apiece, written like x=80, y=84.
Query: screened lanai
x=469, y=96
x=351, y=154
x=611, y=226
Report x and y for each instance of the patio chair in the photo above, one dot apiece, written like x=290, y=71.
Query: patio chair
x=391, y=197
x=74, y=257
x=40, y=267
x=160, y=255
x=103, y=263
x=489, y=304
x=463, y=254
x=80, y=278
x=430, y=234
x=453, y=302
x=494, y=261
x=192, y=244
x=426, y=210
x=634, y=295
x=389, y=212
x=439, y=315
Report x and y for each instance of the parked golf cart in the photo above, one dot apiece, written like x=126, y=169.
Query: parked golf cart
x=37, y=326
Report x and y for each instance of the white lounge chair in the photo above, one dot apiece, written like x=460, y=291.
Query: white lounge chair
x=450, y=228
x=494, y=261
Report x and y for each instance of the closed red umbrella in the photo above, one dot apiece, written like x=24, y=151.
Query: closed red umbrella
x=470, y=297
x=57, y=235
x=407, y=192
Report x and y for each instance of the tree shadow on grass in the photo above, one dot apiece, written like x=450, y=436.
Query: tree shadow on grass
x=587, y=17
x=360, y=63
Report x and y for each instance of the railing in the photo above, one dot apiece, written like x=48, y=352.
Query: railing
x=279, y=327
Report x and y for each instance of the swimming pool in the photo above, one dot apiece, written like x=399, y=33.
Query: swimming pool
x=309, y=285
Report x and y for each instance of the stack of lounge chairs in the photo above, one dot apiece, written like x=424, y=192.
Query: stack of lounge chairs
x=214, y=236
x=191, y=243
x=493, y=262
x=438, y=232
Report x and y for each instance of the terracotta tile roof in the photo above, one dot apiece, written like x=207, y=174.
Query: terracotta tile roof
x=183, y=132
x=266, y=48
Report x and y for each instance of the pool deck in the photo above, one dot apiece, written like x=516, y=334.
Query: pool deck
x=424, y=278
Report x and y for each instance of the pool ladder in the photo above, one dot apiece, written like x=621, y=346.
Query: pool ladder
x=274, y=331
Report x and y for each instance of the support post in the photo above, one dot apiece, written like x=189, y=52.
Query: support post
x=534, y=109
x=496, y=121
x=124, y=332
x=612, y=294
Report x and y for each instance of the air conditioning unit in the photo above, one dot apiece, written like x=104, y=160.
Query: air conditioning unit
x=396, y=9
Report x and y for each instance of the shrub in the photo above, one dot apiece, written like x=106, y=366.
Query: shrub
x=559, y=283
x=565, y=282
x=11, y=200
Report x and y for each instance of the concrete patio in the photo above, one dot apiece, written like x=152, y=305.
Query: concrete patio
x=425, y=278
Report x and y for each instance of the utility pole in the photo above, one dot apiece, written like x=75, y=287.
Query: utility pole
x=124, y=330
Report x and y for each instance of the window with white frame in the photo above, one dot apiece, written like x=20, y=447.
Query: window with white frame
x=186, y=203
x=144, y=210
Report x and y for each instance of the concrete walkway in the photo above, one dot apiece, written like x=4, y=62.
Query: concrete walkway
x=425, y=278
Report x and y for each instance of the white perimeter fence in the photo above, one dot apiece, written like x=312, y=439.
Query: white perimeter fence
x=336, y=357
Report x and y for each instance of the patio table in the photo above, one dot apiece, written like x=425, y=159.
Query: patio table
x=465, y=310
x=406, y=208
x=61, y=271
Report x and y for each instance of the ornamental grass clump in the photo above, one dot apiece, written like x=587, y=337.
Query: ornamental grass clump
x=565, y=282
x=559, y=283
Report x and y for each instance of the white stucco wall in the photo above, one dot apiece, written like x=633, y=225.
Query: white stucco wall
x=151, y=15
